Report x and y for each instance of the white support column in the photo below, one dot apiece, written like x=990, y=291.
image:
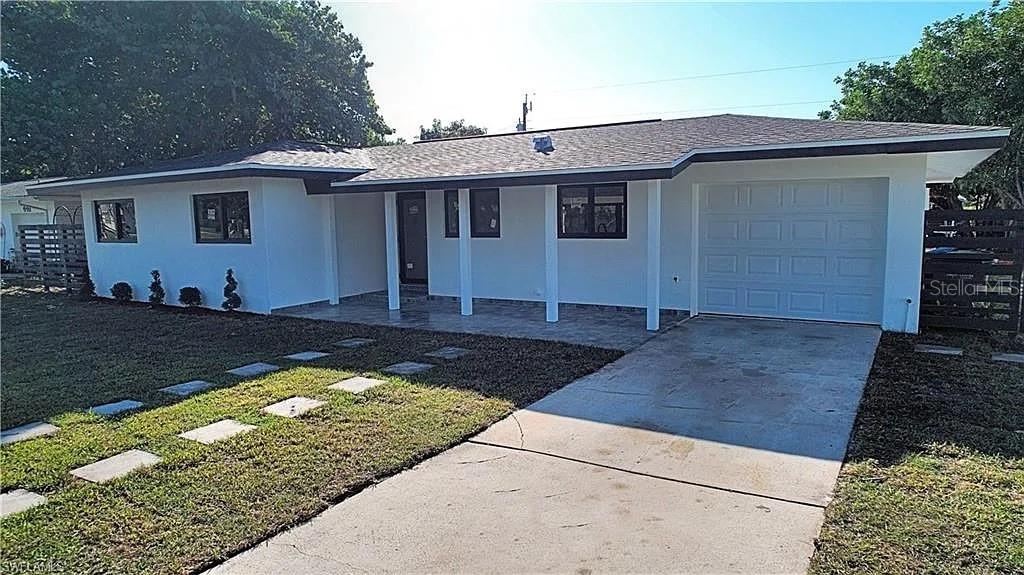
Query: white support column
x=904, y=244
x=391, y=243
x=653, y=254
x=332, y=231
x=695, y=250
x=551, y=252
x=465, y=255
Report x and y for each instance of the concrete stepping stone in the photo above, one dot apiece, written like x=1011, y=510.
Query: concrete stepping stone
x=117, y=466
x=408, y=368
x=116, y=407
x=222, y=429
x=19, y=500
x=1011, y=357
x=448, y=352
x=258, y=368
x=27, y=431
x=292, y=407
x=356, y=384
x=187, y=388
x=939, y=349
x=306, y=355
x=354, y=342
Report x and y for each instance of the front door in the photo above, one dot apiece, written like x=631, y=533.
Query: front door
x=412, y=237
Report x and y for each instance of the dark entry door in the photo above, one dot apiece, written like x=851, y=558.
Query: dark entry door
x=412, y=237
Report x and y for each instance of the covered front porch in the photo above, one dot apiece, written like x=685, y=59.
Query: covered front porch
x=600, y=326
x=423, y=261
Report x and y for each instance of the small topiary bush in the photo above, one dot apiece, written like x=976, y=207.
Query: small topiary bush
x=232, y=300
x=122, y=292
x=87, y=290
x=156, y=289
x=190, y=296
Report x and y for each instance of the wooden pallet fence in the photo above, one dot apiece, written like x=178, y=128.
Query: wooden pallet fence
x=53, y=253
x=973, y=269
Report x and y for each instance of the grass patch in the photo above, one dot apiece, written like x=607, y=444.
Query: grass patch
x=204, y=503
x=934, y=476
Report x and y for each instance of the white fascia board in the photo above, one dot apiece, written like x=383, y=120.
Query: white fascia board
x=669, y=165
x=212, y=169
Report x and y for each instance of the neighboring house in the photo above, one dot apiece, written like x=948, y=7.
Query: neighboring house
x=18, y=208
x=748, y=215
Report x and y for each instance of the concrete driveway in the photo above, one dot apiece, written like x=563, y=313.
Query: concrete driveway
x=713, y=447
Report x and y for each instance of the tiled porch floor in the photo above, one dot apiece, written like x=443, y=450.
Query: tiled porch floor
x=588, y=325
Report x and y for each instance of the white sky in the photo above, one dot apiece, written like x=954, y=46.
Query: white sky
x=475, y=60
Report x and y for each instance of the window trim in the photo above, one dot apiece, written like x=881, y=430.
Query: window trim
x=473, y=232
x=119, y=223
x=592, y=233
x=225, y=239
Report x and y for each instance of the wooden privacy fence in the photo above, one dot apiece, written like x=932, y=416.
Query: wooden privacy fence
x=973, y=269
x=54, y=253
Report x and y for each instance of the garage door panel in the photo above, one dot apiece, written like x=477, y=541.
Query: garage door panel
x=770, y=265
x=809, y=250
x=808, y=267
x=811, y=196
x=808, y=302
x=766, y=196
x=809, y=231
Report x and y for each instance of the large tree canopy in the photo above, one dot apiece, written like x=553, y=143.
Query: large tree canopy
x=92, y=86
x=456, y=129
x=965, y=70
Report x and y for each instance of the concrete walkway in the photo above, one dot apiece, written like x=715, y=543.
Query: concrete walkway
x=711, y=448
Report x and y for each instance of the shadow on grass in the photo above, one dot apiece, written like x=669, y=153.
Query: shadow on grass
x=919, y=401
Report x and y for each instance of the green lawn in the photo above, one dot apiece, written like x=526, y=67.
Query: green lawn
x=204, y=503
x=934, y=476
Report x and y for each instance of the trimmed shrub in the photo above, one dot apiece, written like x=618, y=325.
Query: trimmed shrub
x=156, y=289
x=232, y=300
x=122, y=292
x=190, y=296
x=87, y=290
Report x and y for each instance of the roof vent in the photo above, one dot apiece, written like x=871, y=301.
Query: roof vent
x=543, y=144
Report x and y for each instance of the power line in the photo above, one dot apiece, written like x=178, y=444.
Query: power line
x=689, y=110
x=721, y=74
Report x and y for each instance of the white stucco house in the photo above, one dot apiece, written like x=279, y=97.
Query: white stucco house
x=728, y=214
x=18, y=208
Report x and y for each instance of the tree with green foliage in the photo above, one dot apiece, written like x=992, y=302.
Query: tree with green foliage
x=965, y=70
x=92, y=86
x=456, y=129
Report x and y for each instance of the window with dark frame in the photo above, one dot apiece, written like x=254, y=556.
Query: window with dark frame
x=222, y=218
x=592, y=211
x=115, y=221
x=484, y=213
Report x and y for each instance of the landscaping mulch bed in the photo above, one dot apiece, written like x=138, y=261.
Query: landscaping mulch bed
x=934, y=475
x=206, y=502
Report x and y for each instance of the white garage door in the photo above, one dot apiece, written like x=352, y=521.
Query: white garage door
x=806, y=249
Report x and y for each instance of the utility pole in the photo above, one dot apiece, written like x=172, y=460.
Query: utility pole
x=527, y=108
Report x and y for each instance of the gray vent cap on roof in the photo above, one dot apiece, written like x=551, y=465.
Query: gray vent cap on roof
x=543, y=144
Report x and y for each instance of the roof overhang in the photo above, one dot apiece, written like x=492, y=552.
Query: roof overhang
x=983, y=142
x=210, y=173
x=946, y=166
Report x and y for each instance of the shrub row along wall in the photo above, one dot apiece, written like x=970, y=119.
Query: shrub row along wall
x=973, y=269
